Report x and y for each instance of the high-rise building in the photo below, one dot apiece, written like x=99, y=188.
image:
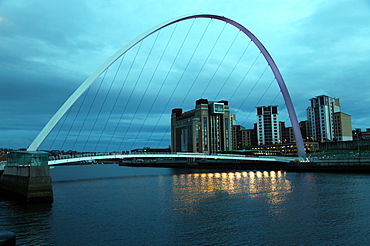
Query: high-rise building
x=321, y=117
x=268, y=130
x=206, y=129
x=326, y=121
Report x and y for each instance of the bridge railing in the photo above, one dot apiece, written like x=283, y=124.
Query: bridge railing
x=329, y=155
x=92, y=157
x=69, y=156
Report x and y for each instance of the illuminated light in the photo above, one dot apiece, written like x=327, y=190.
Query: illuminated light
x=273, y=174
x=238, y=175
x=196, y=175
x=210, y=175
x=259, y=174
x=245, y=174
x=231, y=175
x=265, y=173
x=251, y=174
x=224, y=175
x=203, y=175
x=217, y=175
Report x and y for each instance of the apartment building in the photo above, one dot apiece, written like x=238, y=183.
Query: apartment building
x=268, y=129
x=326, y=121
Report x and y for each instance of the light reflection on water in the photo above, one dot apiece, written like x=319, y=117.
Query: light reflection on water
x=113, y=205
x=193, y=188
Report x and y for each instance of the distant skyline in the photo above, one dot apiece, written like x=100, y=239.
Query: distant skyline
x=48, y=49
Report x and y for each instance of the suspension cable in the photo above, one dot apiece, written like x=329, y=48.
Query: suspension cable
x=245, y=76
x=174, y=90
x=60, y=128
x=259, y=99
x=73, y=122
x=91, y=105
x=187, y=65
x=232, y=71
x=250, y=92
x=123, y=111
x=137, y=81
x=170, y=69
x=219, y=65
x=161, y=87
x=111, y=111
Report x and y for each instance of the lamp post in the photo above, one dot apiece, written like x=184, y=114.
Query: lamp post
x=358, y=144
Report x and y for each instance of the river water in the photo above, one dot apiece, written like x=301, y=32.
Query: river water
x=116, y=205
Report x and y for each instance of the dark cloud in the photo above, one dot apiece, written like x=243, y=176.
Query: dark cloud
x=326, y=55
x=48, y=49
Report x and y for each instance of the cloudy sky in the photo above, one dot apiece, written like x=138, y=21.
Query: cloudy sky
x=48, y=48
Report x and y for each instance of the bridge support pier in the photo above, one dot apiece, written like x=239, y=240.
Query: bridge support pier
x=27, y=176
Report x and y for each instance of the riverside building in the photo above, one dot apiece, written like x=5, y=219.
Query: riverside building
x=206, y=129
x=326, y=122
x=268, y=129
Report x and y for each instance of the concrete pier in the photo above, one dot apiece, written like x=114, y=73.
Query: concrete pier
x=27, y=176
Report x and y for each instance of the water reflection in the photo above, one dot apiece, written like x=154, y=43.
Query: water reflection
x=30, y=222
x=191, y=189
x=154, y=206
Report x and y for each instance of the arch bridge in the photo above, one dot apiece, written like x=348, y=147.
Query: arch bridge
x=87, y=83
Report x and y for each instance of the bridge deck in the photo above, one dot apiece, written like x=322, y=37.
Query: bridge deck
x=195, y=156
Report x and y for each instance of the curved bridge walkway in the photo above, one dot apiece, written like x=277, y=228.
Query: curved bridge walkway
x=143, y=156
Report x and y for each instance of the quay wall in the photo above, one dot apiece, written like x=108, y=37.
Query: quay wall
x=363, y=144
x=210, y=164
x=28, y=183
x=348, y=165
x=339, y=165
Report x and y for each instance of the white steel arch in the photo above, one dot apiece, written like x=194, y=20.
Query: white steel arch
x=87, y=83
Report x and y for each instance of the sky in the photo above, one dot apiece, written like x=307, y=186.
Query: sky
x=48, y=48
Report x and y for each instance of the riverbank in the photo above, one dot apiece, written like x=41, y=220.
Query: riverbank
x=223, y=165
x=325, y=168
x=333, y=166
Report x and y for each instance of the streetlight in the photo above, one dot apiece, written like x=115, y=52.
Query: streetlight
x=358, y=143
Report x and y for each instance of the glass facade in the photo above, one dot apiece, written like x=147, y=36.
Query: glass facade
x=27, y=158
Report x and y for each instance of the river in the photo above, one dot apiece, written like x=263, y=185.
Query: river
x=117, y=205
